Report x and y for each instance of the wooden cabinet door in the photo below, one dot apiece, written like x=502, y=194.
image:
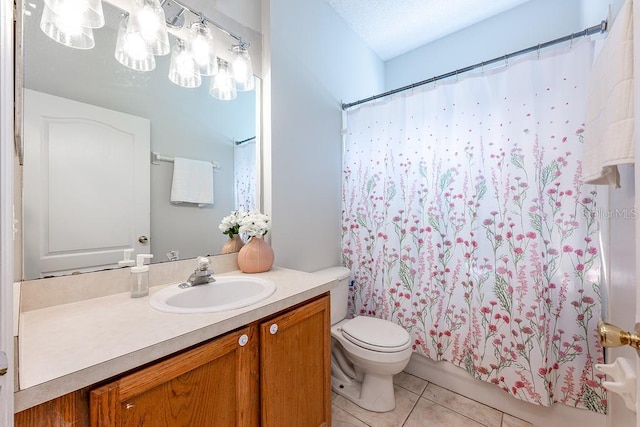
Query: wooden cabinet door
x=213, y=384
x=295, y=359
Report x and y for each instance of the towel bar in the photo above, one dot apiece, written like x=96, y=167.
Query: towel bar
x=156, y=158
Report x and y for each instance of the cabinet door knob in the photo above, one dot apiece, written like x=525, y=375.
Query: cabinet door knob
x=129, y=405
x=243, y=340
x=143, y=239
x=273, y=328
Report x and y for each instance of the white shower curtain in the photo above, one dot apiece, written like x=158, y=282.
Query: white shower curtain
x=465, y=220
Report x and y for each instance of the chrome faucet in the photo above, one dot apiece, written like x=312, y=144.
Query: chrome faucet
x=201, y=275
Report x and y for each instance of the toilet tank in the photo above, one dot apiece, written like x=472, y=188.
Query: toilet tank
x=339, y=294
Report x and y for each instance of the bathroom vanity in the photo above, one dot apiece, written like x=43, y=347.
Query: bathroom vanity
x=266, y=364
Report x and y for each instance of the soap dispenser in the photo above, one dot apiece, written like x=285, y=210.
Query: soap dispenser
x=126, y=259
x=140, y=277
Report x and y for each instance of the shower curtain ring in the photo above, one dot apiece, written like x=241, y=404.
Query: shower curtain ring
x=506, y=60
x=538, y=50
x=571, y=45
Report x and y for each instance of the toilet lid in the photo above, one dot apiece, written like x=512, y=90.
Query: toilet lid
x=376, y=334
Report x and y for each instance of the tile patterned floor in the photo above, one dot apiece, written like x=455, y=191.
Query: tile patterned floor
x=419, y=403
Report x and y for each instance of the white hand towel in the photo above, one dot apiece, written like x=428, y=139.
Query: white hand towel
x=609, y=125
x=192, y=182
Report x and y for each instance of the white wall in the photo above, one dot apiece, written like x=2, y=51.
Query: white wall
x=316, y=62
x=534, y=22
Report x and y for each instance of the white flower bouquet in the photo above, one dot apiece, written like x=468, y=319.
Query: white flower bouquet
x=254, y=224
x=230, y=224
x=249, y=224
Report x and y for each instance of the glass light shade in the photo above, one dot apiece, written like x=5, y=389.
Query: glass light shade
x=148, y=20
x=131, y=50
x=183, y=69
x=83, y=13
x=242, y=69
x=65, y=31
x=202, y=49
x=223, y=85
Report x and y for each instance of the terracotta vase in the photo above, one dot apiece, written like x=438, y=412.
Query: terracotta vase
x=256, y=256
x=234, y=244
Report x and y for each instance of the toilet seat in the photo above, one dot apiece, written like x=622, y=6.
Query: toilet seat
x=376, y=334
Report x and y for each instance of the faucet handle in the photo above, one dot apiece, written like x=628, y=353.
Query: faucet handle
x=203, y=263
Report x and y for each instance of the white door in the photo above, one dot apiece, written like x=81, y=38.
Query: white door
x=618, y=227
x=86, y=185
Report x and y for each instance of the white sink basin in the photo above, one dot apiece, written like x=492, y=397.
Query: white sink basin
x=226, y=293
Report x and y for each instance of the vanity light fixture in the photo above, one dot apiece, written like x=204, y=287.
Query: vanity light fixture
x=242, y=69
x=131, y=50
x=183, y=69
x=143, y=34
x=223, y=85
x=66, y=30
x=201, y=48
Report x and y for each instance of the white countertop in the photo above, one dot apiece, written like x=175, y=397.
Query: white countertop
x=67, y=347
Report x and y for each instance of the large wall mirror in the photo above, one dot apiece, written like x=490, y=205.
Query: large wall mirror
x=180, y=122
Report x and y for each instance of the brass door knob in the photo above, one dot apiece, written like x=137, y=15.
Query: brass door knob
x=613, y=336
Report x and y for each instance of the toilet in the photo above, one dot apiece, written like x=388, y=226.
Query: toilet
x=366, y=352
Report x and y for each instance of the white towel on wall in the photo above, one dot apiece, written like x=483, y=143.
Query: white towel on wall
x=192, y=182
x=609, y=125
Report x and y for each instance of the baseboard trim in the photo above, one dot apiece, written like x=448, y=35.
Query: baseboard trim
x=449, y=376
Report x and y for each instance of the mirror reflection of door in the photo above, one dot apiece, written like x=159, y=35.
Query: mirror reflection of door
x=86, y=190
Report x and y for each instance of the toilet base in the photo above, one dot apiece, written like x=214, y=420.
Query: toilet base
x=375, y=392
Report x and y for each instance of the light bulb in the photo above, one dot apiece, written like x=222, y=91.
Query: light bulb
x=201, y=48
x=183, y=69
x=242, y=69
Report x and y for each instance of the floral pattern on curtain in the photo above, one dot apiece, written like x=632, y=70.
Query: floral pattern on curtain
x=465, y=220
x=244, y=175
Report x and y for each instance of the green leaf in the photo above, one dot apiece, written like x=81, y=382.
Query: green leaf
x=501, y=290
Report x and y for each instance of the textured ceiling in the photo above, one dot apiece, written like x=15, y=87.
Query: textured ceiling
x=394, y=27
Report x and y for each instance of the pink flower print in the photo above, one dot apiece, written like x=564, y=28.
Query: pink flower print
x=518, y=251
x=580, y=267
x=587, y=300
x=592, y=250
x=531, y=235
x=579, y=252
x=519, y=237
x=493, y=328
x=567, y=248
x=501, y=270
x=542, y=371
x=485, y=310
x=505, y=318
x=496, y=341
x=527, y=330
x=487, y=221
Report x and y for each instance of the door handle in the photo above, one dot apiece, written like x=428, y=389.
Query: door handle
x=613, y=336
x=143, y=239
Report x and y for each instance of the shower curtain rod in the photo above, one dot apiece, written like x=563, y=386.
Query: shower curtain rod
x=584, y=33
x=244, y=140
